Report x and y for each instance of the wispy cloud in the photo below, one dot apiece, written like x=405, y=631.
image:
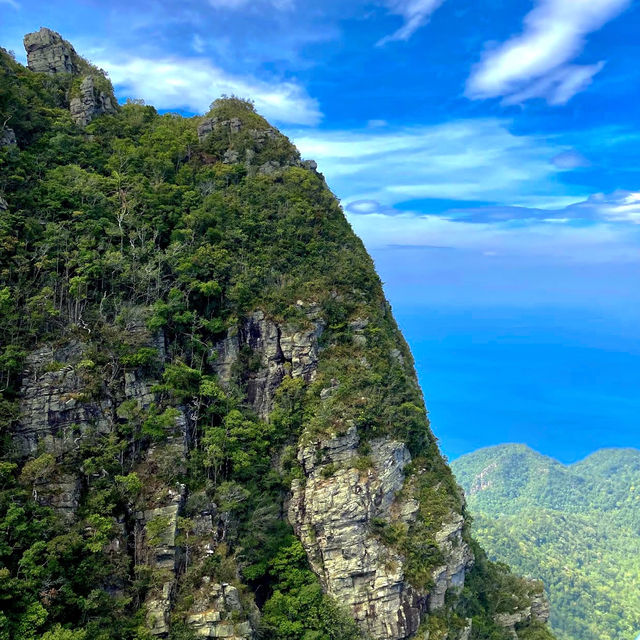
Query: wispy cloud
x=415, y=13
x=619, y=206
x=198, y=44
x=464, y=160
x=12, y=3
x=238, y=4
x=534, y=64
x=589, y=232
x=570, y=159
x=193, y=83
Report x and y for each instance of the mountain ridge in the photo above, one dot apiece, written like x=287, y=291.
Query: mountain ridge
x=210, y=423
x=576, y=526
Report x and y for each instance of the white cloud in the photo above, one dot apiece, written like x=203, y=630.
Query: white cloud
x=619, y=206
x=12, y=3
x=465, y=160
x=598, y=242
x=193, y=83
x=534, y=63
x=238, y=4
x=415, y=13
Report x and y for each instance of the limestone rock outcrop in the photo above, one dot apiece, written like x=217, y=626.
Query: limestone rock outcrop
x=537, y=611
x=218, y=612
x=57, y=407
x=259, y=139
x=332, y=512
x=91, y=93
x=8, y=137
x=90, y=102
x=160, y=528
x=458, y=561
x=277, y=350
x=48, y=52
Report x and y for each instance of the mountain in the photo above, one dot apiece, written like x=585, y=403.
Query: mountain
x=576, y=527
x=210, y=424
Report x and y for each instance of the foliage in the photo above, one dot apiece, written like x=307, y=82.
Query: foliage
x=574, y=527
x=142, y=246
x=298, y=609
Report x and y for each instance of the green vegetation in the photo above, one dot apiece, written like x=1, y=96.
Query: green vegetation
x=574, y=527
x=131, y=229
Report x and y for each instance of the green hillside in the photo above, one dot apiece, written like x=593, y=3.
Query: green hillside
x=576, y=527
x=210, y=424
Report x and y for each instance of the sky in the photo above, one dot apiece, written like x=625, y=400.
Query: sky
x=487, y=154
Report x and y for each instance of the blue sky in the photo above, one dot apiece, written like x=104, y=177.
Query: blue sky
x=487, y=154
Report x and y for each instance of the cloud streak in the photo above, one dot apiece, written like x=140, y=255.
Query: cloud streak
x=463, y=160
x=415, y=13
x=239, y=4
x=494, y=232
x=534, y=64
x=193, y=83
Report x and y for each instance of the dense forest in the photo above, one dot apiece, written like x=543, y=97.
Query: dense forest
x=575, y=527
x=203, y=386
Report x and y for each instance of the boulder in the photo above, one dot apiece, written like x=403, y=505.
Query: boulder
x=8, y=138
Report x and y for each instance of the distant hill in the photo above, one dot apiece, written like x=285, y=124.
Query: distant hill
x=576, y=527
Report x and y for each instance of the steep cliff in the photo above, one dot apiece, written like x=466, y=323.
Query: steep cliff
x=211, y=425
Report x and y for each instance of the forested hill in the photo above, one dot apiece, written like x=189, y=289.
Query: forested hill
x=577, y=527
x=210, y=425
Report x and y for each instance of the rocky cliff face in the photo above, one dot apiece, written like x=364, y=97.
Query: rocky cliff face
x=332, y=510
x=538, y=610
x=48, y=52
x=90, y=102
x=277, y=351
x=208, y=388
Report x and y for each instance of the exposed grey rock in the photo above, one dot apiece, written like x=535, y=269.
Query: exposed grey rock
x=537, y=611
x=231, y=156
x=8, y=137
x=312, y=165
x=218, y=613
x=465, y=634
x=231, y=126
x=4, y=206
x=459, y=560
x=262, y=136
x=327, y=392
x=332, y=512
x=59, y=408
x=62, y=493
x=205, y=128
x=90, y=103
x=161, y=552
x=483, y=481
x=269, y=168
x=279, y=350
x=48, y=52
x=56, y=410
x=540, y=608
